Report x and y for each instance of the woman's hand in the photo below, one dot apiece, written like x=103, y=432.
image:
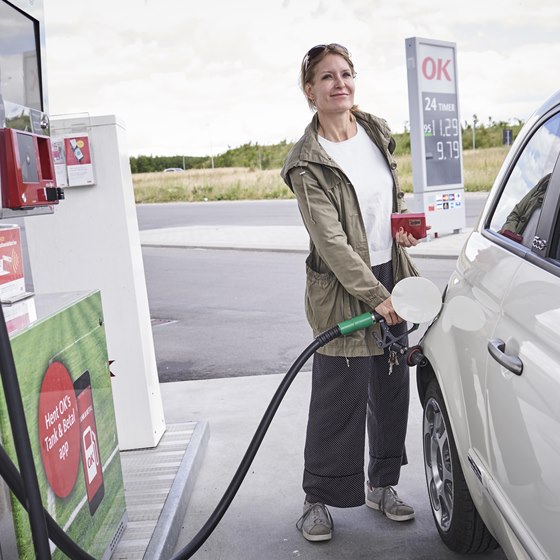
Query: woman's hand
x=385, y=309
x=405, y=239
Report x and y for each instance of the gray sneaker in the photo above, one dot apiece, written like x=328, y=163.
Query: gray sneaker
x=386, y=500
x=316, y=523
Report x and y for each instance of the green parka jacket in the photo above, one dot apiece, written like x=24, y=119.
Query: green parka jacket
x=521, y=214
x=340, y=283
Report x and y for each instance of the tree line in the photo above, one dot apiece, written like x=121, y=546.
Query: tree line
x=258, y=156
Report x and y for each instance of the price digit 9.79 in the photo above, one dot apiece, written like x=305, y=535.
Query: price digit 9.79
x=448, y=149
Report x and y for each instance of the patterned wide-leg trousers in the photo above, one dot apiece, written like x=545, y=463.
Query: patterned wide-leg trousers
x=347, y=396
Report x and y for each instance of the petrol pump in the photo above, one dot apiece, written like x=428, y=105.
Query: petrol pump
x=57, y=417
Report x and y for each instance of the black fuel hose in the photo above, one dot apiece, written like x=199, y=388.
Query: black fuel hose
x=10, y=474
x=12, y=477
x=342, y=329
x=34, y=505
x=19, y=487
x=216, y=516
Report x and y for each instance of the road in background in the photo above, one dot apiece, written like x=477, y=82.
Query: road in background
x=227, y=213
x=248, y=213
x=233, y=313
x=226, y=313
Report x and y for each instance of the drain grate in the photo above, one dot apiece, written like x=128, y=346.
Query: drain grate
x=160, y=322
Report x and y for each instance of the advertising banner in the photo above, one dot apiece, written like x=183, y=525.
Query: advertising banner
x=72, y=157
x=12, y=280
x=78, y=160
x=63, y=370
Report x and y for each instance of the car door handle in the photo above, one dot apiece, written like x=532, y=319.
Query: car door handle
x=496, y=347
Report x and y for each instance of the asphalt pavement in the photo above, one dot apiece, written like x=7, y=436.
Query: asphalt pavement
x=260, y=523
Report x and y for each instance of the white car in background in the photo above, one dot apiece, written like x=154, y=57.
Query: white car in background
x=490, y=382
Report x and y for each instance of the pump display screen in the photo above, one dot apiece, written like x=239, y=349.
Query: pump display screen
x=27, y=158
x=442, y=138
x=19, y=64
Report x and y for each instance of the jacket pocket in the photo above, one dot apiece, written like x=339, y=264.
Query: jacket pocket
x=403, y=267
x=320, y=299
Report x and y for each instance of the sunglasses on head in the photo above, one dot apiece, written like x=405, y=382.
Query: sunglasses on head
x=318, y=49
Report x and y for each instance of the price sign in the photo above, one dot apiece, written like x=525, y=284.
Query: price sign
x=435, y=133
x=434, y=123
x=442, y=139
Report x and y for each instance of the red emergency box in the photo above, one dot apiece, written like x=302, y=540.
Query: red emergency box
x=27, y=170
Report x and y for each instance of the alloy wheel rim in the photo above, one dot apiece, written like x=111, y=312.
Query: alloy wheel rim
x=438, y=464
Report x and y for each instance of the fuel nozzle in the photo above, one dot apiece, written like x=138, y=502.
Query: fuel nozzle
x=356, y=323
x=415, y=357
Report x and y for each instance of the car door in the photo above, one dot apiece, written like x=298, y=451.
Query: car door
x=523, y=370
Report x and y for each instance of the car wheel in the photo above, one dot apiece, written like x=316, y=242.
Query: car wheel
x=455, y=515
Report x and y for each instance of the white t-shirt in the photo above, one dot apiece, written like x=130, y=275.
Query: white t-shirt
x=365, y=166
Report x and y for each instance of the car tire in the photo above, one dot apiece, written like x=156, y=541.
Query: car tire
x=458, y=523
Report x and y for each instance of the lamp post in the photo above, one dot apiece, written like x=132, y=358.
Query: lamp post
x=475, y=120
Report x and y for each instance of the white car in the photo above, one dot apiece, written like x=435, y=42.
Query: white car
x=490, y=382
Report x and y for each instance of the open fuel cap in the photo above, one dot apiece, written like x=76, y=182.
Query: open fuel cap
x=416, y=299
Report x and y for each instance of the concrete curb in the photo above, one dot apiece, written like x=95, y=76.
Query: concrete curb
x=277, y=239
x=166, y=533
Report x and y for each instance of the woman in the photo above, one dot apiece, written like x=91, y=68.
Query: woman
x=344, y=177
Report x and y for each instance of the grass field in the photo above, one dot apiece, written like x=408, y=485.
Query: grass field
x=480, y=169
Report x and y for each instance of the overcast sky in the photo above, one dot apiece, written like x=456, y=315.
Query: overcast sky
x=195, y=78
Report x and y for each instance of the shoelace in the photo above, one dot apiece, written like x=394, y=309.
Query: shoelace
x=389, y=490
x=316, y=515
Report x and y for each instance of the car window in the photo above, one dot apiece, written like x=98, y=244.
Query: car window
x=516, y=214
x=554, y=253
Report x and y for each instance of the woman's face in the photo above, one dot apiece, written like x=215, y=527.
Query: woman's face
x=332, y=89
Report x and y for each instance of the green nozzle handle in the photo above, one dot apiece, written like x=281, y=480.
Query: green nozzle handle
x=356, y=323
